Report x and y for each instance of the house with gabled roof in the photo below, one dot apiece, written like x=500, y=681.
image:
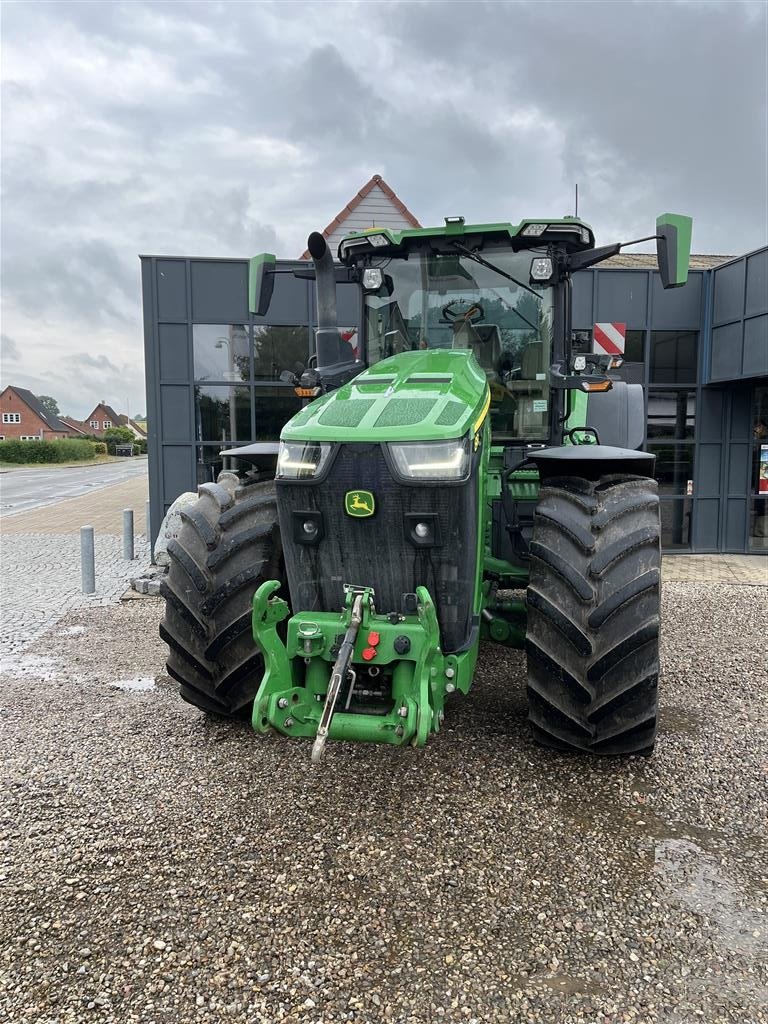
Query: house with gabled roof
x=101, y=419
x=375, y=205
x=76, y=427
x=24, y=418
x=136, y=428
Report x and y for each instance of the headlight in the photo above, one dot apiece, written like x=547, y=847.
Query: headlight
x=377, y=240
x=432, y=460
x=533, y=230
x=301, y=460
x=541, y=268
x=373, y=279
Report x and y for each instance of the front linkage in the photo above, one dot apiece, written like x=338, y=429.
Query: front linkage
x=386, y=674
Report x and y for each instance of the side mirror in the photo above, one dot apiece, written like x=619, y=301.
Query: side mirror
x=673, y=248
x=261, y=282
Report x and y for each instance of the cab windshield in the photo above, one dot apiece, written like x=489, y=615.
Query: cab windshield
x=430, y=300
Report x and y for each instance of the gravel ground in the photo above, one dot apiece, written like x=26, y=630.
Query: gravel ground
x=159, y=866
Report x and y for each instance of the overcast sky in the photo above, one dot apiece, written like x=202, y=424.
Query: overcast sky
x=226, y=129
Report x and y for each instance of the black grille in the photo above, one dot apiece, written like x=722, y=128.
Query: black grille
x=374, y=551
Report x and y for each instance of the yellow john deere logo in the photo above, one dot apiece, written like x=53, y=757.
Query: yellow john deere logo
x=359, y=504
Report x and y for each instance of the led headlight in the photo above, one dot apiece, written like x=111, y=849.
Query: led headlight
x=373, y=279
x=377, y=240
x=533, y=230
x=301, y=460
x=432, y=460
x=541, y=268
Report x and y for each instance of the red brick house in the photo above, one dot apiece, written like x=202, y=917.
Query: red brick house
x=136, y=428
x=23, y=418
x=102, y=418
x=76, y=427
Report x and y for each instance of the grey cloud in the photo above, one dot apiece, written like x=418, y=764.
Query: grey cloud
x=224, y=129
x=9, y=350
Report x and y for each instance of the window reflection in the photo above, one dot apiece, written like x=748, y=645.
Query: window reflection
x=274, y=407
x=674, y=466
x=673, y=357
x=222, y=413
x=757, y=540
x=221, y=352
x=279, y=348
x=676, y=523
x=671, y=415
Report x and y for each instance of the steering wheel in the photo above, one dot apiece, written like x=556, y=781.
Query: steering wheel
x=464, y=311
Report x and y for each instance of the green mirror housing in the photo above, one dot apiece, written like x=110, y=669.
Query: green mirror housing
x=261, y=282
x=673, y=248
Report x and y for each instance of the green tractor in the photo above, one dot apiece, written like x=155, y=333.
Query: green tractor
x=470, y=478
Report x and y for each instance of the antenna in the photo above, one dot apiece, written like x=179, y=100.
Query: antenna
x=576, y=211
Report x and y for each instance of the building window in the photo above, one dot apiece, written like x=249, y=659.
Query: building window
x=757, y=537
x=673, y=357
x=276, y=349
x=107, y=424
x=675, y=523
x=674, y=467
x=30, y=437
x=2, y=437
x=671, y=414
x=94, y=424
x=221, y=352
x=222, y=413
x=11, y=417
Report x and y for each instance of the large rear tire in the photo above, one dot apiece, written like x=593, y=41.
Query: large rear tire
x=594, y=615
x=229, y=544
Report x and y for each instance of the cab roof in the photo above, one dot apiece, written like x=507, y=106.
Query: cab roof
x=572, y=233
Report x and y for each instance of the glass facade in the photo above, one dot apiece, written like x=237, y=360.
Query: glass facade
x=757, y=530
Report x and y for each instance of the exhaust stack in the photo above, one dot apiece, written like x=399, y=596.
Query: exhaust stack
x=331, y=350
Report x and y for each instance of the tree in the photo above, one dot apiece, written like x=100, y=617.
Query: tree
x=49, y=404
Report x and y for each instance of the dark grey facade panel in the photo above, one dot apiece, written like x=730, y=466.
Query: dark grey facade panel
x=290, y=300
x=176, y=414
x=178, y=467
x=678, y=309
x=729, y=292
x=755, y=357
x=175, y=354
x=706, y=525
x=757, y=283
x=734, y=534
x=726, y=352
x=622, y=296
x=710, y=414
x=171, y=283
x=219, y=291
x=740, y=319
x=708, y=470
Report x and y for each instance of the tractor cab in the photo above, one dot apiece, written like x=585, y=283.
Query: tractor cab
x=491, y=290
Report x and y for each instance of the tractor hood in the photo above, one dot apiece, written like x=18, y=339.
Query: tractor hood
x=415, y=396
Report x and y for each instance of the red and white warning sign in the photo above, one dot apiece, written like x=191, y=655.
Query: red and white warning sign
x=609, y=339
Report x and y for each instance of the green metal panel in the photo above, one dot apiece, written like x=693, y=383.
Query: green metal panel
x=407, y=399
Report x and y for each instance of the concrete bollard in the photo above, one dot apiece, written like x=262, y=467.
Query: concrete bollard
x=128, y=534
x=87, y=561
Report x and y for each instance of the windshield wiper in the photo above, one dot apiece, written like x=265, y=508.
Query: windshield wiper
x=491, y=266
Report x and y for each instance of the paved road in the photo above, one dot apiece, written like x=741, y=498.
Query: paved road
x=24, y=489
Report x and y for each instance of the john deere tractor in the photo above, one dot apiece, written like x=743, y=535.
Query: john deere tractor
x=466, y=477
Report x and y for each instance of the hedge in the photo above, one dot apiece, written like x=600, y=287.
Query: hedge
x=50, y=451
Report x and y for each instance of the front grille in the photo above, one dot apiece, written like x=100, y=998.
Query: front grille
x=374, y=551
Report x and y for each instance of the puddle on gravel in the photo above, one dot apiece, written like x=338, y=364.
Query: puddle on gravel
x=26, y=666
x=700, y=881
x=72, y=631
x=679, y=720
x=140, y=684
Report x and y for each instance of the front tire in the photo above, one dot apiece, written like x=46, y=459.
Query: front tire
x=594, y=615
x=229, y=544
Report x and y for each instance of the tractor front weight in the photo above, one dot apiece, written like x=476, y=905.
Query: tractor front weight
x=354, y=675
